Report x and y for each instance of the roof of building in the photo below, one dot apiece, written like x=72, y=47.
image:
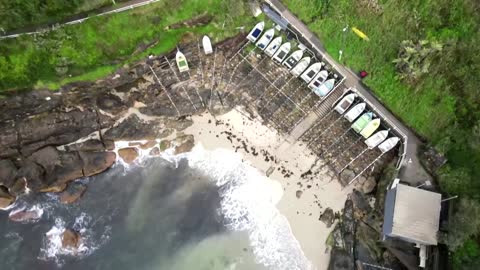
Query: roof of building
x=412, y=214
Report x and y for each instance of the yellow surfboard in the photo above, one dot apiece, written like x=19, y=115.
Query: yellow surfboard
x=360, y=34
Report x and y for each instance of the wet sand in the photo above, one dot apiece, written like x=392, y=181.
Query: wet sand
x=304, y=198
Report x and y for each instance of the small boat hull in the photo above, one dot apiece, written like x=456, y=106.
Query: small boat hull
x=293, y=59
x=282, y=52
x=376, y=139
x=325, y=88
x=300, y=67
x=355, y=112
x=256, y=32
x=362, y=122
x=370, y=128
x=311, y=71
x=388, y=144
x=318, y=80
x=265, y=39
x=273, y=46
x=207, y=45
x=182, y=63
x=345, y=103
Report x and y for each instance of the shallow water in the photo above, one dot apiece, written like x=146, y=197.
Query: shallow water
x=169, y=213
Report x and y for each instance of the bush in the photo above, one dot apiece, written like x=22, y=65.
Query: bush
x=467, y=257
x=464, y=224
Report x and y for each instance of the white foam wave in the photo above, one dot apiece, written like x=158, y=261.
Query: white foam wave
x=36, y=212
x=53, y=249
x=248, y=204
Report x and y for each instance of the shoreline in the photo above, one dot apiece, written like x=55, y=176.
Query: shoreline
x=258, y=144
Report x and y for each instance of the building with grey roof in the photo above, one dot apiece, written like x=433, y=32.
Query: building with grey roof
x=412, y=214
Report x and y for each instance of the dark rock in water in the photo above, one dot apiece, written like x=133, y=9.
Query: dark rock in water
x=73, y=193
x=7, y=173
x=327, y=217
x=71, y=240
x=298, y=193
x=340, y=260
x=96, y=162
x=25, y=216
x=128, y=154
x=6, y=199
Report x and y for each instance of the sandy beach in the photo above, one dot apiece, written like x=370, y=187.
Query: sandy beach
x=304, y=199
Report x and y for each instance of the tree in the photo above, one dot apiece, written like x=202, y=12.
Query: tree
x=464, y=224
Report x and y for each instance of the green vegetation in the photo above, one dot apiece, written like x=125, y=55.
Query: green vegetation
x=97, y=47
x=15, y=14
x=424, y=63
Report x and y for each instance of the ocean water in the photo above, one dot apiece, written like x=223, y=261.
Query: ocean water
x=200, y=210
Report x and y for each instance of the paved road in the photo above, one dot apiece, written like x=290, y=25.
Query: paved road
x=411, y=171
x=78, y=18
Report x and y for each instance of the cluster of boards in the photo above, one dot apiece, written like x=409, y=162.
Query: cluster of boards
x=365, y=124
x=315, y=75
x=181, y=60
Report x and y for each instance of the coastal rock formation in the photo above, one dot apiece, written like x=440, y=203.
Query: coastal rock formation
x=73, y=193
x=129, y=154
x=7, y=173
x=327, y=217
x=25, y=216
x=71, y=240
x=369, y=185
x=5, y=198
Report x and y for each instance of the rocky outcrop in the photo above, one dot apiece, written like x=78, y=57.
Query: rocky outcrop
x=7, y=173
x=73, y=193
x=327, y=217
x=6, y=199
x=25, y=216
x=49, y=169
x=71, y=240
x=129, y=154
x=135, y=129
x=369, y=185
x=183, y=144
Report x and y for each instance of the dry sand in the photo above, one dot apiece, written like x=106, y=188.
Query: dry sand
x=258, y=144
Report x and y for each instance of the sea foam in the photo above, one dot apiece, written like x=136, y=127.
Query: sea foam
x=248, y=203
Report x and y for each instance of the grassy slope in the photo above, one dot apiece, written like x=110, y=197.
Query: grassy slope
x=97, y=47
x=442, y=105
